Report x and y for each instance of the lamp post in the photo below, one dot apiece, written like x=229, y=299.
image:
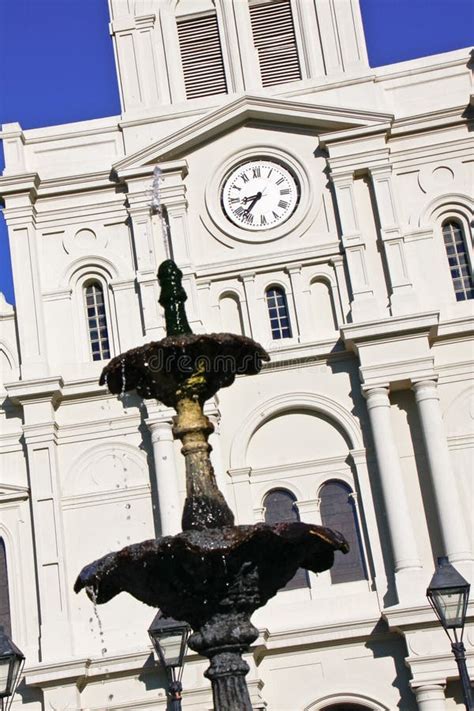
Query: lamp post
x=11, y=664
x=170, y=640
x=448, y=595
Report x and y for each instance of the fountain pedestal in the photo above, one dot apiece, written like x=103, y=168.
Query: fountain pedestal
x=214, y=574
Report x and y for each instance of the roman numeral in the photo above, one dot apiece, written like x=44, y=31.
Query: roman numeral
x=279, y=182
x=232, y=200
x=240, y=211
x=256, y=172
x=285, y=191
x=270, y=172
x=263, y=220
x=275, y=215
x=283, y=204
x=248, y=217
x=234, y=187
x=244, y=178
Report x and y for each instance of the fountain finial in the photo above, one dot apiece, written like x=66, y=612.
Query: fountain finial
x=172, y=299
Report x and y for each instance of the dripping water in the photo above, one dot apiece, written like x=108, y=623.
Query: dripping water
x=92, y=593
x=124, y=379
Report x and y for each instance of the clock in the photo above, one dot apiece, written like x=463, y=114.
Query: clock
x=259, y=195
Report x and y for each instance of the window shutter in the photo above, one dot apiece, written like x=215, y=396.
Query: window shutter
x=201, y=56
x=275, y=41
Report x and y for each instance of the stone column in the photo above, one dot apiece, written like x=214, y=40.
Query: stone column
x=364, y=306
x=402, y=298
x=453, y=529
x=430, y=697
x=393, y=490
x=169, y=500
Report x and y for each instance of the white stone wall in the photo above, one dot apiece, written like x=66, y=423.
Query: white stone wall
x=374, y=387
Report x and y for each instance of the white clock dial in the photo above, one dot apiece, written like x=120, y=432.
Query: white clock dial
x=259, y=195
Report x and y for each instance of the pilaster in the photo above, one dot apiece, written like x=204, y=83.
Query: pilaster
x=248, y=54
x=364, y=305
x=300, y=302
x=341, y=298
x=248, y=281
x=212, y=412
x=174, y=201
x=147, y=249
x=230, y=45
x=308, y=510
x=402, y=298
x=243, y=506
x=141, y=65
x=20, y=214
x=39, y=399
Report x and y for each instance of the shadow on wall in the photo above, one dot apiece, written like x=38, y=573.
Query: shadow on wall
x=385, y=644
x=359, y=411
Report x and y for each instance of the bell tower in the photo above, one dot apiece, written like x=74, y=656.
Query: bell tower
x=247, y=45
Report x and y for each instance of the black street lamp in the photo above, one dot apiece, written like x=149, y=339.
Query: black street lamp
x=448, y=595
x=11, y=664
x=170, y=640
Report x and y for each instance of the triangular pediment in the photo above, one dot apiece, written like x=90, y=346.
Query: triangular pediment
x=246, y=108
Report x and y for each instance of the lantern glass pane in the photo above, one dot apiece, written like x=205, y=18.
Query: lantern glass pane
x=171, y=644
x=4, y=676
x=449, y=603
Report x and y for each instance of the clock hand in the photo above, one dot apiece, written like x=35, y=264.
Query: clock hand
x=255, y=199
x=252, y=197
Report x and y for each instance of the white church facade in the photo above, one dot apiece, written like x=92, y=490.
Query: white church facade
x=351, y=264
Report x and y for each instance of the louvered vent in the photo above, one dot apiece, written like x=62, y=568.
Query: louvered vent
x=201, y=56
x=275, y=41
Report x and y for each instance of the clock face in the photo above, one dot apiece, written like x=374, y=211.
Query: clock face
x=259, y=195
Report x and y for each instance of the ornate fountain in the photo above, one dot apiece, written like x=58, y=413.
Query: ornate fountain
x=214, y=574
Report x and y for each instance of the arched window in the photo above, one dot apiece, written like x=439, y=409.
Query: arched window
x=458, y=259
x=5, y=618
x=231, y=313
x=280, y=508
x=97, y=321
x=338, y=512
x=278, y=312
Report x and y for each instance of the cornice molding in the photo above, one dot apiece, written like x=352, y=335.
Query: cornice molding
x=390, y=328
x=17, y=184
x=10, y=492
x=24, y=391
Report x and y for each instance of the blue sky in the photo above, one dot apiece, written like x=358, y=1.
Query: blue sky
x=57, y=65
